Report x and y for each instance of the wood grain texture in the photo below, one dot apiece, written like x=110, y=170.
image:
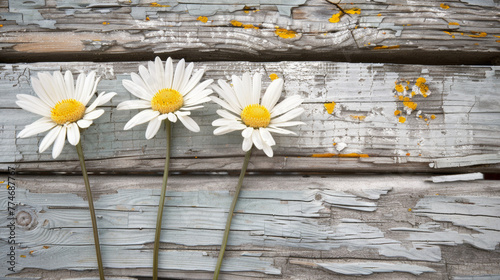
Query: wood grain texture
x=454, y=129
x=383, y=227
x=425, y=32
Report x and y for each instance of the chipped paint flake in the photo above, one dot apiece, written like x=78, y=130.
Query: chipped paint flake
x=367, y=268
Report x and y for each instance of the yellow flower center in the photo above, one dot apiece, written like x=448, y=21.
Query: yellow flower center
x=256, y=116
x=167, y=100
x=67, y=110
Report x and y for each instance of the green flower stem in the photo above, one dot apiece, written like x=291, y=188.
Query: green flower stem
x=230, y=215
x=79, y=150
x=162, y=202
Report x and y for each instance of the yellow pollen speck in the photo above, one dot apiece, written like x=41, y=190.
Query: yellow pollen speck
x=248, y=26
x=407, y=154
x=406, y=98
x=23, y=256
x=402, y=119
x=256, y=115
x=284, y=33
x=397, y=112
x=147, y=18
x=386, y=47
x=154, y=4
x=67, y=110
x=1, y=182
x=329, y=107
x=202, y=19
x=453, y=23
x=46, y=247
x=399, y=88
x=477, y=34
x=444, y=6
x=379, y=15
x=409, y=209
x=167, y=100
x=420, y=81
x=336, y=17
x=104, y=22
x=353, y=11
x=426, y=119
x=236, y=23
x=409, y=104
x=400, y=97
x=273, y=77
x=433, y=117
x=360, y=118
x=351, y=155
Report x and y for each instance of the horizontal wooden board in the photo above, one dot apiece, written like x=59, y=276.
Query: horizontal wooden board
x=285, y=227
x=457, y=130
x=429, y=32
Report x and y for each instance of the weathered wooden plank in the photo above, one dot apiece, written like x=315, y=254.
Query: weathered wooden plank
x=454, y=32
x=285, y=227
x=457, y=129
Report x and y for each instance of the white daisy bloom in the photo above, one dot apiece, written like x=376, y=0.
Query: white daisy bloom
x=63, y=107
x=256, y=118
x=165, y=94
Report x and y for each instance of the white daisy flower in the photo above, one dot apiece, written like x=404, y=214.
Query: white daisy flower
x=256, y=118
x=165, y=94
x=63, y=107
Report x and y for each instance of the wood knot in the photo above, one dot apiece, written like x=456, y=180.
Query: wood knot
x=23, y=218
x=26, y=218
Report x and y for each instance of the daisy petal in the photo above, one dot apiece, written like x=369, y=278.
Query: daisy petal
x=224, y=129
x=246, y=81
x=247, y=144
x=225, y=122
x=100, y=100
x=247, y=132
x=88, y=88
x=179, y=74
x=266, y=136
x=136, y=90
x=46, y=82
x=228, y=93
x=33, y=108
x=142, y=84
x=172, y=117
x=84, y=123
x=73, y=134
x=80, y=83
x=187, y=75
x=69, y=84
x=59, y=143
x=239, y=91
x=288, y=116
x=49, y=138
x=34, y=102
x=93, y=115
x=39, y=126
x=153, y=127
x=267, y=150
x=286, y=105
x=192, y=82
x=169, y=73
x=256, y=139
x=224, y=105
x=40, y=91
x=193, y=107
x=272, y=94
x=280, y=130
x=225, y=114
x=133, y=104
x=140, y=118
x=189, y=123
x=60, y=84
x=256, y=88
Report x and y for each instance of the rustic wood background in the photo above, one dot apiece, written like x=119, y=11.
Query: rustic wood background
x=371, y=210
